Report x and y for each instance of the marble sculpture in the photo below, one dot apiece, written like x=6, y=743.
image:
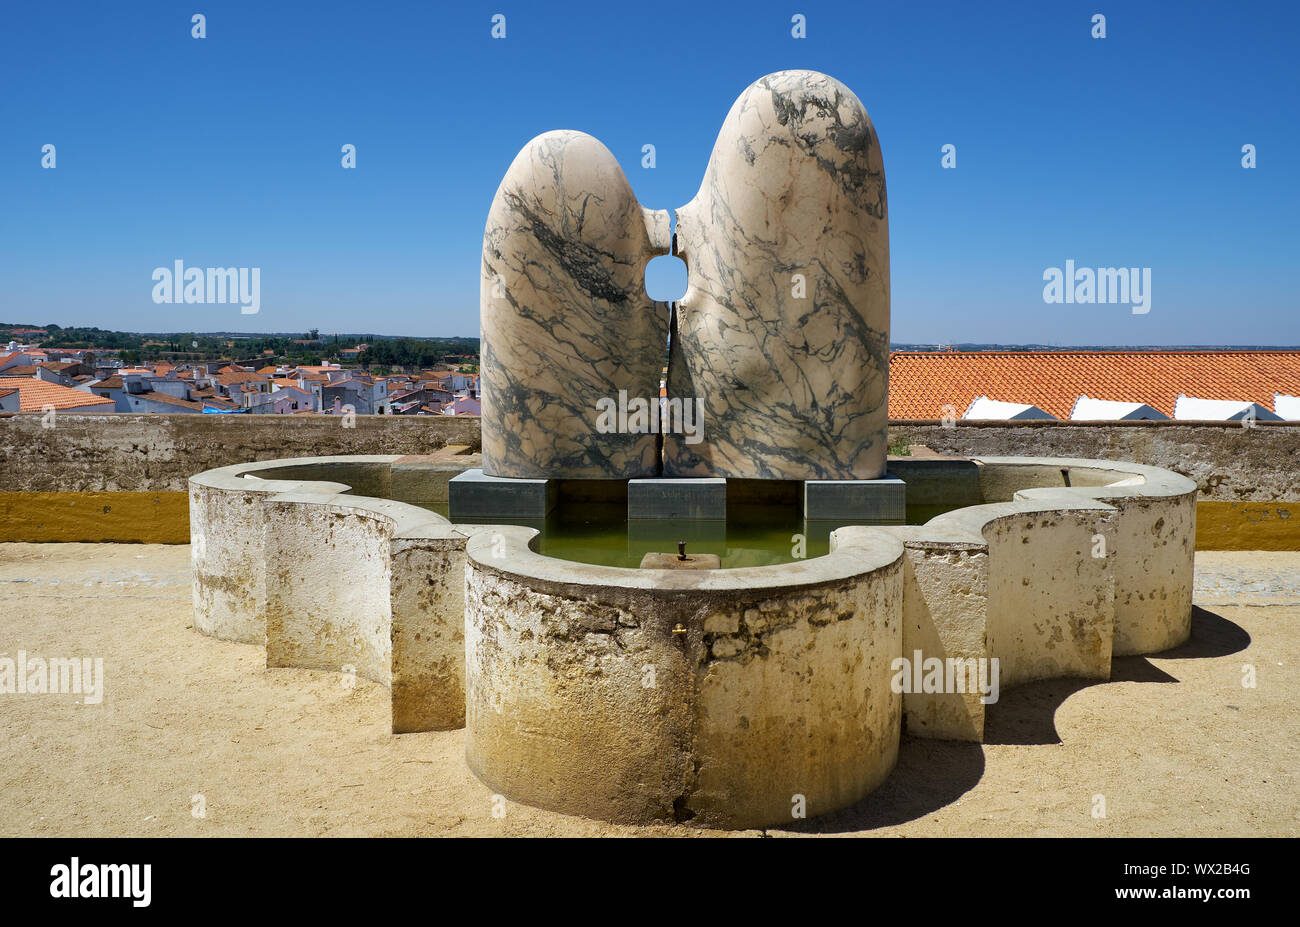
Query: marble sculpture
x=782, y=335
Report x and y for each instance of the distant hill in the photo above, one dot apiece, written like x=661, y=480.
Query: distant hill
x=965, y=346
x=191, y=333
x=111, y=338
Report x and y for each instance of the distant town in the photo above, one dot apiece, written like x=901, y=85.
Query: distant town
x=92, y=370
x=50, y=367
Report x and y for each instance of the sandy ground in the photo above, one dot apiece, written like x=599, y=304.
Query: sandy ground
x=1174, y=743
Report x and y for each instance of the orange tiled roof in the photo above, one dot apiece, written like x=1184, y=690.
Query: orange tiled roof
x=237, y=377
x=169, y=400
x=922, y=383
x=34, y=395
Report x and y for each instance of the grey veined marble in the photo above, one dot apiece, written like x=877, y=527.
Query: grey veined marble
x=781, y=343
x=784, y=330
x=566, y=320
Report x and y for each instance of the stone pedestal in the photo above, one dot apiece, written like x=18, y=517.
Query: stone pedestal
x=677, y=498
x=657, y=561
x=474, y=495
x=866, y=502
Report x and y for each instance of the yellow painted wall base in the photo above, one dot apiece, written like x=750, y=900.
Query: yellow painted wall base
x=144, y=517
x=164, y=518
x=1247, y=525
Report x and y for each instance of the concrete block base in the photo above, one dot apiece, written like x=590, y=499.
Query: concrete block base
x=473, y=494
x=677, y=498
x=880, y=502
x=939, y=480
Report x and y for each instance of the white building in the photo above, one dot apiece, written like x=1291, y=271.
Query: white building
x=1087, y=409
x=1288, y=407
x=992, y=409
x=1192, y=409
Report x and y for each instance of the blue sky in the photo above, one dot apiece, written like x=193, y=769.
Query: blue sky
x=1123, y=151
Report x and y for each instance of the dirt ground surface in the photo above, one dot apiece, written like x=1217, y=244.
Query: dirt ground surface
x=1174, y=744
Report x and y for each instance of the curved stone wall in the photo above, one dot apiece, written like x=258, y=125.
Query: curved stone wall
x=1053, y=582
x=329, y=580
x=730, y=698
x=719, y=696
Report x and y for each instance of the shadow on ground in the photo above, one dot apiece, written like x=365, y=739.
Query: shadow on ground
x=933, y=773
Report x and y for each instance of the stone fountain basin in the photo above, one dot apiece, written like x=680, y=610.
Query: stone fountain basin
x=727, y=698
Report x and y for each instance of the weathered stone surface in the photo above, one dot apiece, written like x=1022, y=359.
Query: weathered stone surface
x=1228, y=462
x=1051, y=606
x=722, y=697
x=794, y=382
x=328, y=575
x=778, y=693
x=155, y=453
x=428, y=634
x=557, y=709
x=663, y=561
x=333, y=581
x=139, y=453
x=565, y=316
x=1048, y=580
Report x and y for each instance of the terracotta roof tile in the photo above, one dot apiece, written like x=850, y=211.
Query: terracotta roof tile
x=34, y=395
x=922, y=383
x=169, y=400
x=238, y=376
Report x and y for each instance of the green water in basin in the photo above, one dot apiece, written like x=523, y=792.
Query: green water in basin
x=752, y=535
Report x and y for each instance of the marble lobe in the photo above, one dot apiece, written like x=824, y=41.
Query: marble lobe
x=566, y=320
x=793, y=388
x=793, y=385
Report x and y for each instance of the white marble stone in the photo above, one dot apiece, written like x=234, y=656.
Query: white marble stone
x=794, y=386
x=565, y=316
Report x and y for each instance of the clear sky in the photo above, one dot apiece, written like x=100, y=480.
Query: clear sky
x=225, y=151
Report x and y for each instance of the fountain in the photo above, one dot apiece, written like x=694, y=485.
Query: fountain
x=753, y=689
